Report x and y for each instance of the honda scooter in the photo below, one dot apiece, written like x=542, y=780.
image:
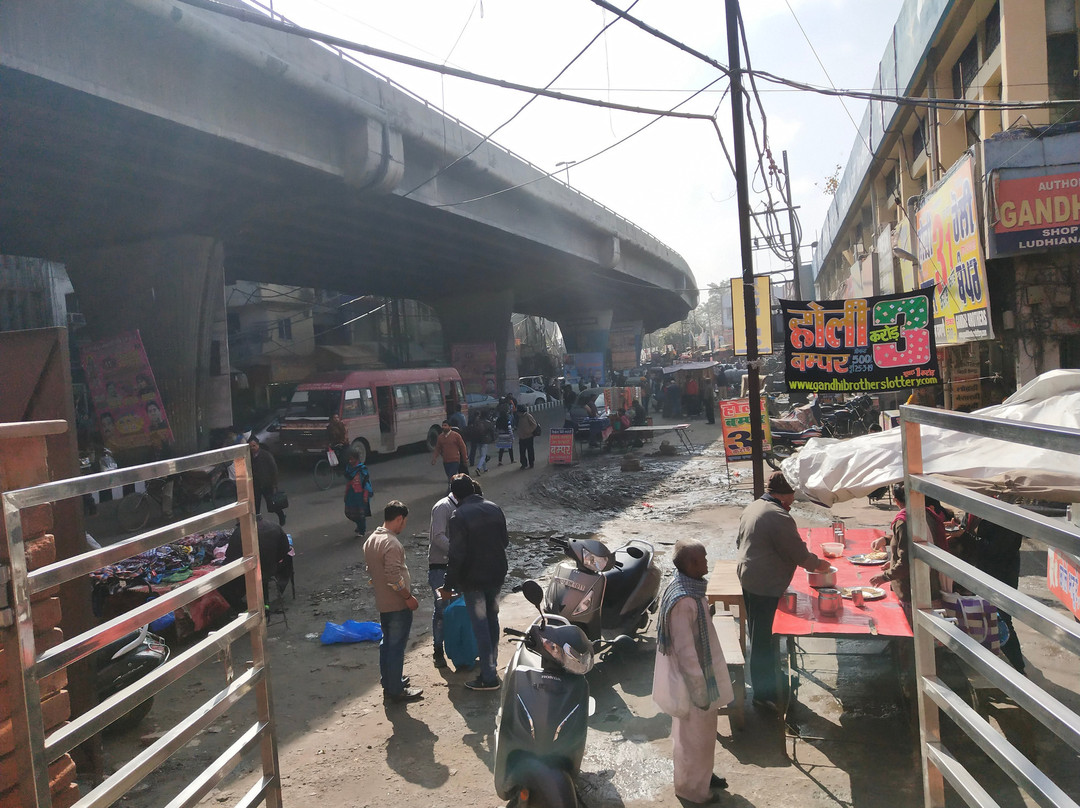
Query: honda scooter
x=127, y=660
x=544, y=713
x=610, y=596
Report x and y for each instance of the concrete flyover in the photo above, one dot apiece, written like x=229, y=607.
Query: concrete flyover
x=155, y=147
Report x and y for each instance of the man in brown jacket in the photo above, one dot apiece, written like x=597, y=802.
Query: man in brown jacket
x=770, y=549
x=385, y=559
x=455, y=456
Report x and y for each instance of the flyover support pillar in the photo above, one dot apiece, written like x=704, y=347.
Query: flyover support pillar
x=588, y=333
x=171, y=290
x=482, y=318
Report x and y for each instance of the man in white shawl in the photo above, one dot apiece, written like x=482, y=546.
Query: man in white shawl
x=690, y=680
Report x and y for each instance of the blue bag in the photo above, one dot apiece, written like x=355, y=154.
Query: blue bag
x=350, y=631
x=459, y=641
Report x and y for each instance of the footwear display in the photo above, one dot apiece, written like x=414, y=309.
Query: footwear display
x=479, y=684
x=408, y=694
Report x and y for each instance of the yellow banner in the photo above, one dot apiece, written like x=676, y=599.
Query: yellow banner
x=951, y=258
x=763, y=307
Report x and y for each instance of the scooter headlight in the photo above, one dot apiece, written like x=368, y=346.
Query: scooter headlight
x=583, y=605
x=573, y=661
x=593, y=561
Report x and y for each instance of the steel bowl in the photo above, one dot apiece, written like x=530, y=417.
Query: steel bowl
x=829, y=600
x=819, y=579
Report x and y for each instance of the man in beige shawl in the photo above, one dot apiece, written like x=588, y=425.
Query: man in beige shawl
x=690, y=680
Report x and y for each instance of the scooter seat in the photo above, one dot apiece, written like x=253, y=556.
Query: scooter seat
x=623, y=579
x=105, y=655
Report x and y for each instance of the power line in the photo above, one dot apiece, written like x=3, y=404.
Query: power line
x=578, y=162
x=521, y=109
x=309, y=33
x=832, y=84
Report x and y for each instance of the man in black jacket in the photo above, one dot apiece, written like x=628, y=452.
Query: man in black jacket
x=264, y=478
x=477, y=568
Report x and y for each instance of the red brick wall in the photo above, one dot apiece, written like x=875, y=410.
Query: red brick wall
x=19, y=468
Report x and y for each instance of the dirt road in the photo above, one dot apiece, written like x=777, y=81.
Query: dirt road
x=339, y=745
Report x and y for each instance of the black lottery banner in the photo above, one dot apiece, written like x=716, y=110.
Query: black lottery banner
x=860, y=345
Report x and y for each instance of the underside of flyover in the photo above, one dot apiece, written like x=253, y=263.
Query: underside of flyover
x=116, y=177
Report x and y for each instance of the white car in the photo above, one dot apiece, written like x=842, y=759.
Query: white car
x=526, y=395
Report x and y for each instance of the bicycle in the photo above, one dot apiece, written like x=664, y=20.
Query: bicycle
x=188, y=489
x=324, y=473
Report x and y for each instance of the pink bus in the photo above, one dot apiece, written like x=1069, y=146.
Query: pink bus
x=383, y=409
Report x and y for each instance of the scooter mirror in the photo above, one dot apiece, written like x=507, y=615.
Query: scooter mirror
x=533, y=593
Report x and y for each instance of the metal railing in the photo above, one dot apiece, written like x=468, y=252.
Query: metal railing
x=931, y=630
x=27, y=718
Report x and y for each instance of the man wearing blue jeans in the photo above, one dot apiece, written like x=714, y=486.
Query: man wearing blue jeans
x=476, y=567
x=438, y=548
x=385, y=559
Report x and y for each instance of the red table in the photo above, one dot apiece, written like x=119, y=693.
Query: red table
x=851, y=622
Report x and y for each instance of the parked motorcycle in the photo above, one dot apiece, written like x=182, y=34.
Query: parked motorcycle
x=610, y=596
x=543, y=716
x=127, y=660
x=785, y=444
x=857, y=416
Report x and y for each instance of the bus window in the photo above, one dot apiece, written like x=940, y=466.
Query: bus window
x=367, y=405
x=460, y=391
x=354, y=404
x=434, y=394
x=314, y=404
x=419, y=396
x=401, y=396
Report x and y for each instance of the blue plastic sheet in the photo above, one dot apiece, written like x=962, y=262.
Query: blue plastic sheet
x=350, y=631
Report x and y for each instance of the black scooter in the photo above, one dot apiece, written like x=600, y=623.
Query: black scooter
x=544, y=713
x=610, y=596
x=127, y=660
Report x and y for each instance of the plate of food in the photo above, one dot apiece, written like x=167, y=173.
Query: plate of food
x=870, y=559
x=868, y=592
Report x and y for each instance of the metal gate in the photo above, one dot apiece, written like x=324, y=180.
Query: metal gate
x=27, y=718
x=934, y=696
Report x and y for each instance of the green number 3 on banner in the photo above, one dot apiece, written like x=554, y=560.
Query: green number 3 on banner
x=915, y=336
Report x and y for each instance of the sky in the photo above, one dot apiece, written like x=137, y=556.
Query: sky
x=672, y=179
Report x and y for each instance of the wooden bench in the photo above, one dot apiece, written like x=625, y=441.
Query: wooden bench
x=727, y=629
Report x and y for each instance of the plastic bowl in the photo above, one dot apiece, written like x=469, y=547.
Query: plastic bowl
x=832, y=549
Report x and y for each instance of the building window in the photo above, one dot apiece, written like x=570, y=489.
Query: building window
x=963, y=72
x=993, y=30
x=918, y=139
x=1062, y=52
x=973, y=129
x=284, y=328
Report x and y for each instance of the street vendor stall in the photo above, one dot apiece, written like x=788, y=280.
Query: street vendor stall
x=120, y=587
x=879, y=616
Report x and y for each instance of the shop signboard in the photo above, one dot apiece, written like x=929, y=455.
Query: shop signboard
x=1063, y=579
x=127, y=405
x=475, y=363
x=560, y=446
x=950, y=258
x=860, y=345
x=762, y=306
x=735, y=424
x=624, y=341
x=1035, y=214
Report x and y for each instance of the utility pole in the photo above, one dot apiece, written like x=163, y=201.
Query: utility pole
x=795, y=262
x=742, y=190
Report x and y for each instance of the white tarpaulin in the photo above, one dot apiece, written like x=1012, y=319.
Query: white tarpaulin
x=828, y=470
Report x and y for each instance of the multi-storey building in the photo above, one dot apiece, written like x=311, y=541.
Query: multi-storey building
x=982, y=203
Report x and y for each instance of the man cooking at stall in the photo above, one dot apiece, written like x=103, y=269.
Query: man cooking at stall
x=770, y=549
